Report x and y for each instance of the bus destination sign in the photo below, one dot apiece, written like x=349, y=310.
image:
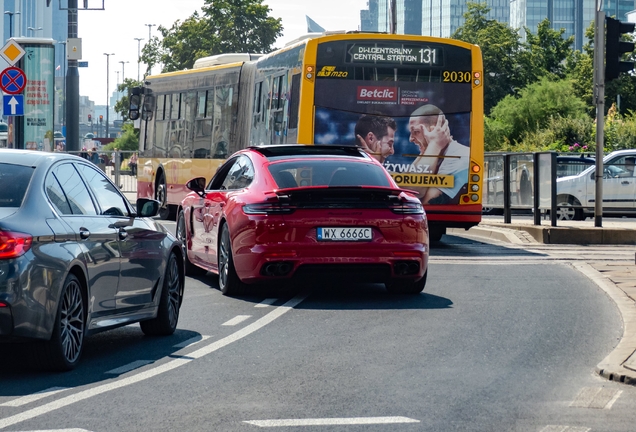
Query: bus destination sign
x=395, y=53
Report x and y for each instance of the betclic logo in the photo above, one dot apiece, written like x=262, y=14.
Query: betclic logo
x=373, y=93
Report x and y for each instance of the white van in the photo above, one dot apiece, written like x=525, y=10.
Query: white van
x=576, y=194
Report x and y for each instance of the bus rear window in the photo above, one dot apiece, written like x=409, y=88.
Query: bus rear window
x=328, y=173
x=14, y=181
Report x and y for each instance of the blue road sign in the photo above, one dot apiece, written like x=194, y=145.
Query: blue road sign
x=82, y=64
x=13, y=105
x=12, y=80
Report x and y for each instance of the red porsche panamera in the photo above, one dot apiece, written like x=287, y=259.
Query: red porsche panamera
x=276, y=213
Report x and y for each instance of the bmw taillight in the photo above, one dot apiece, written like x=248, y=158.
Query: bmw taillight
x=408, y=207
x=275, y=208
x=14, y=244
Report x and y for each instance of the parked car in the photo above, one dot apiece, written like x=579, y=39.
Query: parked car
x=573, y=165
x=76, y=258
x=576, y=194
x=271, y=214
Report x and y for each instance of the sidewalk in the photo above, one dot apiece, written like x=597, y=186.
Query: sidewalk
x=616, y=278
x=616, y=231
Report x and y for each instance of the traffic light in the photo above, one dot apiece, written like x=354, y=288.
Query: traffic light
x=615, y=48
x=90, y=118
x=101, y=118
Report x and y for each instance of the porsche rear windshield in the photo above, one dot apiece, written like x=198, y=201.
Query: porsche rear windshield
x=300, y=173
x=14, y=180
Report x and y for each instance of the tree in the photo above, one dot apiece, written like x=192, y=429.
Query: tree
x=514, y=117
x=128, y=141
x=122, y=105
x=500, y=45
x=226, y=26
x=546, y=53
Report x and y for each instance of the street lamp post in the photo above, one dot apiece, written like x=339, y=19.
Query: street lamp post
x=34, y=29
x=10, y=22
x=107, y=90
x=123, y=76
x=150, y=26
x=64, y=105
x=138, y=55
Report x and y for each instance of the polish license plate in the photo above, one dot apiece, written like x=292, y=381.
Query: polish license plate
x=344, y=234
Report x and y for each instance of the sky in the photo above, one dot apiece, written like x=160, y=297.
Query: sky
x=114, y=30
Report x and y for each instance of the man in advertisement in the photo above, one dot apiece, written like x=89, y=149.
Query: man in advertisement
x=376, y=135
x=439, y=153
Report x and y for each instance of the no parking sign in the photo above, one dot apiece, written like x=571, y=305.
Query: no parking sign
x=13, y=80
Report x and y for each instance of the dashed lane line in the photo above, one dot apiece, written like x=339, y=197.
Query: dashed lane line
x=155, y=371
x=33, y=397
x=331, y=421
x=266, y=303
x=129, y=367
x=191, y=341
x=236, y=320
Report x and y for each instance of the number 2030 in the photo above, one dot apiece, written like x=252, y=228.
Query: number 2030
x=462, y=77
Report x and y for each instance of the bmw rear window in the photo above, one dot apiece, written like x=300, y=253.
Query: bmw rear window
x=300, y=173
x=14, y=181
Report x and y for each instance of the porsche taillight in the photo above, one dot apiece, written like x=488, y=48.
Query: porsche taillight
x=14, y=244
x=407, y=207
x=275, y=208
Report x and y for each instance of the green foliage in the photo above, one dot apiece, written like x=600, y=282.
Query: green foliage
x=121, y=106
x=547, y=52
x=226, y=26
x=500, y=47
x=129, y=139
x=514, y=117
x=620, y=131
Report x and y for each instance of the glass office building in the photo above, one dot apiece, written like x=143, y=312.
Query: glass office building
x=426, y=17
x=575, y=16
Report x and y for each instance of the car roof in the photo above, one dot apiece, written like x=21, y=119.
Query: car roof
x=287, y=151
x=30, y=157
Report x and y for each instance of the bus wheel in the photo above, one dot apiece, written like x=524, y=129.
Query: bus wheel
x=166, y=211
x=435, y=233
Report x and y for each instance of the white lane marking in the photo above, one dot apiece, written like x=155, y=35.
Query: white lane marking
x=33, y=397
x=191, y=341
x=553, y=428
x=236, y=320
x=128, y=367
x=596, y=397
x=266, y=303
x=331, y=421
x=614, y=399
x=59, y=430
x=153, y=372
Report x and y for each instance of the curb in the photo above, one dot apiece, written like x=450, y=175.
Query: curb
x=620, y=364
x=568, y=234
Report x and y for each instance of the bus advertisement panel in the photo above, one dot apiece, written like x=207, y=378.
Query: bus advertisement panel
x=410, y=104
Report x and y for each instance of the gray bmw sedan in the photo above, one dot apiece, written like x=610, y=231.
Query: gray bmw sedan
x=77, y=258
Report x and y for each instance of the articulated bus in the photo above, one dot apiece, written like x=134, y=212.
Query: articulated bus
x=414, y=102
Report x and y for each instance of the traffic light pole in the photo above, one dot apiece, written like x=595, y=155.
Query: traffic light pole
x=599, y=96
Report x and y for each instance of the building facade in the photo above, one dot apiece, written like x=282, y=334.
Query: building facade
x=575, y=16
x=442, y=17
x=425, y=17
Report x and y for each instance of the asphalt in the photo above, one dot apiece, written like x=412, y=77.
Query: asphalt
x=616, y=278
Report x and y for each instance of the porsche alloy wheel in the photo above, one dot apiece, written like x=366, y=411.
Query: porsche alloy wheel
x=229, y=282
